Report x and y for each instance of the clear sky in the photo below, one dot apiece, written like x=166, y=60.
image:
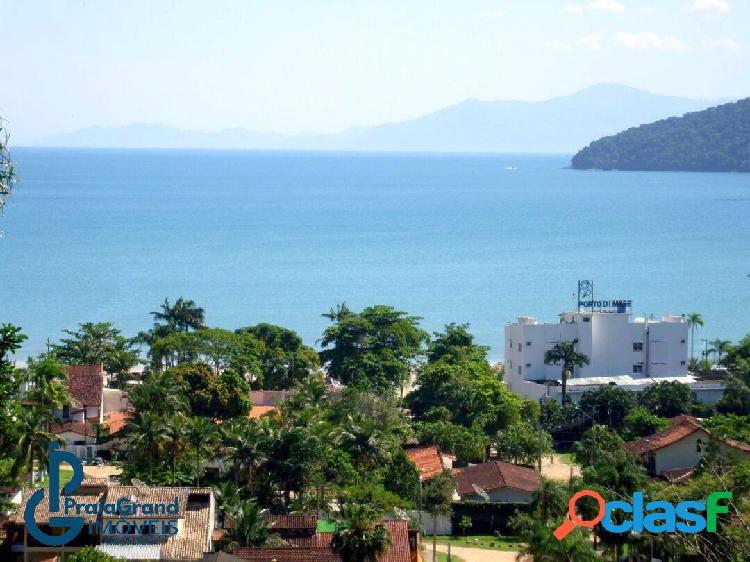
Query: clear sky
x=325, y=65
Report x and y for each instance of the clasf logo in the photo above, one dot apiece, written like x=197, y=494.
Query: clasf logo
x=654, y=517
x=153, y=519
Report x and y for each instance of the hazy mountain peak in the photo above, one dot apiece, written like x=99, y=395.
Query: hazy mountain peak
x=559, y=124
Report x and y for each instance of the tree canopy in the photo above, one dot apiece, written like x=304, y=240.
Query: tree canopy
x=713, y=140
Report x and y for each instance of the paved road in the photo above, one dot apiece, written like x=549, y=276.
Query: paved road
x=473, y=554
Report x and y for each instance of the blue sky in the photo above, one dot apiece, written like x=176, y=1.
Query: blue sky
x=312, y=65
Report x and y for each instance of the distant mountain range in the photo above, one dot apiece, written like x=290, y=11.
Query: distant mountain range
x=561, y=124
x=712, y=140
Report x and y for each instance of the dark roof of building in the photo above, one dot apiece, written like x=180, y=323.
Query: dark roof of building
x=428, y=461
x=219, y=557
x=495, y=475
x=86, y=384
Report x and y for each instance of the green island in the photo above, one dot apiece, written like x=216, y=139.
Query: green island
x=713, y=140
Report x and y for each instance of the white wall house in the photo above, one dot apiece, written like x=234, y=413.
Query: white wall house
x=614, y=344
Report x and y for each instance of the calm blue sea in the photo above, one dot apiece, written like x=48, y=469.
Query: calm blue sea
x=95, y=235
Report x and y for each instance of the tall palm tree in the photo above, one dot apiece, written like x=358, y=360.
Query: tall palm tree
x=183, y=316
x=565, y=353
x=694, y=319
x=144, y=432
x=363, y=537
x=239, y=444
x=34, y=442
x=719, y=347
x=174, y=438
x=201, y=436
x=47, y=377
x=249, y=528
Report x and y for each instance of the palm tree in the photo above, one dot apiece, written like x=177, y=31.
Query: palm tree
x=239, y=444
x=201, y=435
x=183, y=316
x=363, y=537
x=144, y=436
x=34, y=442
x=565, y=353
x=47, y=377
x=249, y=528
x=693, y=319
x=155, y=387
x=173, y=437
x=719, y=347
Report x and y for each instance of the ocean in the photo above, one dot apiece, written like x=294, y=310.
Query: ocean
x=281, y=237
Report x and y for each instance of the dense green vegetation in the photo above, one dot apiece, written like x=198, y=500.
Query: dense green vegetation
x=712, y=140
x=7, y=170
x=338, y=449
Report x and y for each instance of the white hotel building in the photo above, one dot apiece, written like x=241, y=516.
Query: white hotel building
x=630, y=354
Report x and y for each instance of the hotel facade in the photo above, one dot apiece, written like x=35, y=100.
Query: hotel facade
x=614, y=344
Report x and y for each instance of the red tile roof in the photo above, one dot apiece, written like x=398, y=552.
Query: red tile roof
x=287, y=554
x=86, y=384
x=495, y=475
x=744, y=447
x=427, y=460
x=81, y=428
x=678, y=475
x=116, y=421
x=318, y=548
x=683, y=427
x=278, y=522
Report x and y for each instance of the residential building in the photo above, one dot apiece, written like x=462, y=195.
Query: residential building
x=304, y=543
x=675, y=452
x=430, y=461
x=497, y=481
x=195, y=523
x=86, y=387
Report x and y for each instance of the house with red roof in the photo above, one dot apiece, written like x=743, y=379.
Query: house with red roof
x=430, y=461
x=304, y=543
x=676, y=451
x=86, y=387
x=497, y=481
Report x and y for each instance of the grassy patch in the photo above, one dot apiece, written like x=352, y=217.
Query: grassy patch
x=443, y=557
x=567, y=458
x=66, y=474
x=490, y=542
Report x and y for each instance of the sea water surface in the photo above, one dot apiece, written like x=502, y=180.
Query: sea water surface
x=105, y=235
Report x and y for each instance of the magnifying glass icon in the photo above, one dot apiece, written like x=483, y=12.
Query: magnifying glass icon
x=569, y=524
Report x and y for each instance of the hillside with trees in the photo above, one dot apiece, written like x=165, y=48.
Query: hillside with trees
x=712, y=140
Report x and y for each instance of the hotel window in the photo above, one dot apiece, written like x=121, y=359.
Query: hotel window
x=519, y=369
x=587, y=319
x=528, y=343
x=520, y=345
x=682, y=362
x=637, y=346
x=699, y=446
x=511, y=344
x=637, y=368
